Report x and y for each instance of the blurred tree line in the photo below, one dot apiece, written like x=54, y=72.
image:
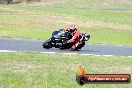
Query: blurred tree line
x=17, y=1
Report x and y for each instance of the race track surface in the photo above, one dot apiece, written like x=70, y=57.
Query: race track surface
x=36, y=46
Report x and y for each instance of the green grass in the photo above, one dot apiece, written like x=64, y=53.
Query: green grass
x=24, y=70
x=38, y=22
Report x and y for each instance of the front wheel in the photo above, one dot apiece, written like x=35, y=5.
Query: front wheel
x=47, y=44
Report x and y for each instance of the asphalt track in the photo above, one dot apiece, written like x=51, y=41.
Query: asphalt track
x=36, y=46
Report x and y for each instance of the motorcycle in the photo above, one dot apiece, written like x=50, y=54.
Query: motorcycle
x=59, y=40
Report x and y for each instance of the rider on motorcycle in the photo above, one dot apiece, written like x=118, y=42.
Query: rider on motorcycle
x=76, y=36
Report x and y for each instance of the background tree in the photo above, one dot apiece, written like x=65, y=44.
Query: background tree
x=9, y=1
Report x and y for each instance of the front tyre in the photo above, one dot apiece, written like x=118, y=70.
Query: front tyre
x=47, y=44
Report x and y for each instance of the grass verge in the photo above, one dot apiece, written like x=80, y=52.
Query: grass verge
x=24, y=70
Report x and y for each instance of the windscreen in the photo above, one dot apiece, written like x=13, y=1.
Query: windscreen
x=57, y=34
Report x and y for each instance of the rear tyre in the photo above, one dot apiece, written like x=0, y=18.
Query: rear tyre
x=80, y=45
x=47, y=44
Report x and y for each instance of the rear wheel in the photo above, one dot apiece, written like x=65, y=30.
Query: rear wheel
x=80, y=45
x=47, y=44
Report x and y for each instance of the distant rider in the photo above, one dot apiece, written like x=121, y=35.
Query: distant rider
x=76, y=36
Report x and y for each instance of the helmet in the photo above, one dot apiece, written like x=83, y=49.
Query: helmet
x=72, y=28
